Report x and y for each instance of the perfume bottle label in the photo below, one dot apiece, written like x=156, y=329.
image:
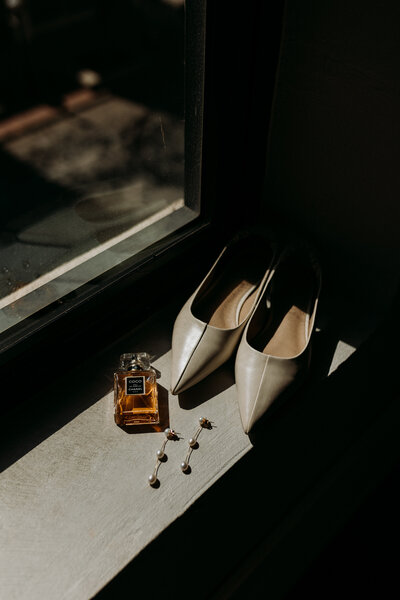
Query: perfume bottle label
x=134, y=385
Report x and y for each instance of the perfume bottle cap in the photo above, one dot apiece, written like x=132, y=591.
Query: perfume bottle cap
x=135, y=361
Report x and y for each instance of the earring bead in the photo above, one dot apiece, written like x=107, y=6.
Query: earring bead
x=203, y=422
x=170, y=434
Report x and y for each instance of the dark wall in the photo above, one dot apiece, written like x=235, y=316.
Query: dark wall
x=333, y=167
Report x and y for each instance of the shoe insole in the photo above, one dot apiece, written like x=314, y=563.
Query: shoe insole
x=231, y=296
x=289, y=338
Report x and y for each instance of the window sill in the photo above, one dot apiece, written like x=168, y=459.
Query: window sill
x=78, y=505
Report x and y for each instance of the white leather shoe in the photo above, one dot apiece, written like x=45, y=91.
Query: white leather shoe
x=274, y=352
x=208, y=327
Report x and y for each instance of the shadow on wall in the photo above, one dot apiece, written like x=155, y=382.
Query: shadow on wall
x=333, y=155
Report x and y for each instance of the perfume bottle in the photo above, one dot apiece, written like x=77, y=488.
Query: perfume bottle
x=135, y=391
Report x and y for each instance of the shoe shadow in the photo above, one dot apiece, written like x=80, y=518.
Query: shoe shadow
x=324, y=345
x=211, y=386
x=350, y=398
x=323, y=350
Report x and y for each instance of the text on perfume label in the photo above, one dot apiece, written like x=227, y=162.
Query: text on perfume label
x=134, y=385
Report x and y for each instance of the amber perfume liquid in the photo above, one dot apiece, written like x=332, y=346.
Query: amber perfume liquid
x=135, y=393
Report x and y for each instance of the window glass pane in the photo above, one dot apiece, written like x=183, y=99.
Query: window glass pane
x=91, y=141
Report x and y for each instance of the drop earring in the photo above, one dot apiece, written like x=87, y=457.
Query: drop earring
x=204, y=423
x=170, y=434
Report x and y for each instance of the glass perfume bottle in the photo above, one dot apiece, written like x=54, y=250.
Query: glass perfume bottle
x=135, y=391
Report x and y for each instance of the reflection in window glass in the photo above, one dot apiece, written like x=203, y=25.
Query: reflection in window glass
x=91, y=141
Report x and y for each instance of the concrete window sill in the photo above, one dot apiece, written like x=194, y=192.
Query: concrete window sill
x=77, y=506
